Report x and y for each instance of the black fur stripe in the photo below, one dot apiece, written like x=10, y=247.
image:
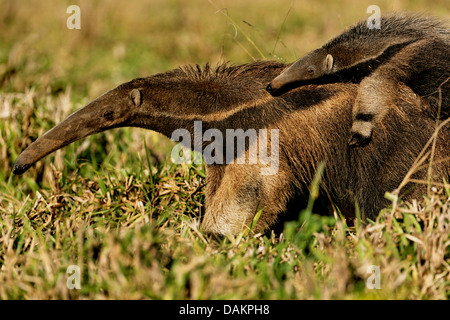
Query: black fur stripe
x=367, y=117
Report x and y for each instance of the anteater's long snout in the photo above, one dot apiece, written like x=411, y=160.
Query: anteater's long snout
x=20, y=167
x=269, y=88
x=109, y=111
x=277, y=83
x=274, y=86
x=75, y=127
x=53, y=140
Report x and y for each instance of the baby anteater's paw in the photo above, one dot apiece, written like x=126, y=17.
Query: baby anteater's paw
x=358, y=140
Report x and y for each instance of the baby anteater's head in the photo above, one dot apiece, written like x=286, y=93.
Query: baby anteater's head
x=312, y=66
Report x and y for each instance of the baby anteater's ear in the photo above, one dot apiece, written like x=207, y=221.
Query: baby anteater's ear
x=328, y=63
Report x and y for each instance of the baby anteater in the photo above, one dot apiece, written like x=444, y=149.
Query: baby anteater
x=408, y=48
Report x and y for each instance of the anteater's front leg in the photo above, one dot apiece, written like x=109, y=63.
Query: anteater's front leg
x=236, y=192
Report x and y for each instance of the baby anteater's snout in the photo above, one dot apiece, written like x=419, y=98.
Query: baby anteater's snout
x=269, y=88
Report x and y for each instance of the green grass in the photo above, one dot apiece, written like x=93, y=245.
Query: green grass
x=117, y=207
x=136, y=235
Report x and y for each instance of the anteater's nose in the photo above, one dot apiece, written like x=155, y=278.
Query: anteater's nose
x=19, y=168
x=269, y=88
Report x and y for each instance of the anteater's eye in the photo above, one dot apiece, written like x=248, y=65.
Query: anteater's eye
x=109, y=115
x=310, y=71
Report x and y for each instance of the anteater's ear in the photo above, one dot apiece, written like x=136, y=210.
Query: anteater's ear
x=136, y=97
x=328, y=63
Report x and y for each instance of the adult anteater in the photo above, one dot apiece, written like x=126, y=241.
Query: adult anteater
x=312, y=123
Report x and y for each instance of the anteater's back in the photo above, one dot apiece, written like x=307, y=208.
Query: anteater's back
x=395, y=28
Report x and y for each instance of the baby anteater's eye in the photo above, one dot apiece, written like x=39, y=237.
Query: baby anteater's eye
x=310, y=71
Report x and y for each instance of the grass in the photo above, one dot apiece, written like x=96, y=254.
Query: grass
x=115, y=205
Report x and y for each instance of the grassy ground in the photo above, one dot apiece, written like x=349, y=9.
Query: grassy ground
x=115, y=206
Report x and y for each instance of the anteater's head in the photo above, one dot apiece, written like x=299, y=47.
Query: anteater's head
x=312, y=66
x=116, y=108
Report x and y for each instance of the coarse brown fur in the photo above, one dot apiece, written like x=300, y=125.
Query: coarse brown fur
x=410, y=49
x=312, y=121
